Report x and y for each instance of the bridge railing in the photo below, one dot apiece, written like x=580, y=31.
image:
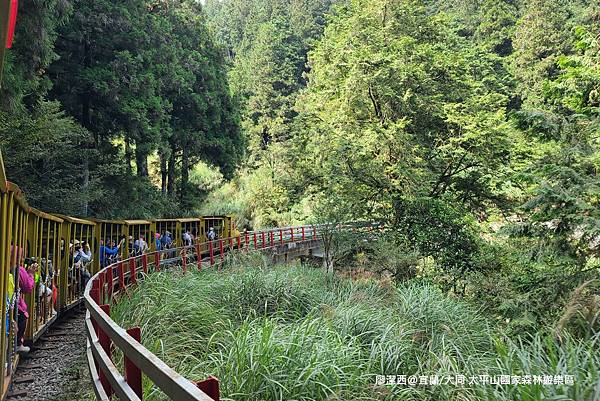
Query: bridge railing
x=104, y=334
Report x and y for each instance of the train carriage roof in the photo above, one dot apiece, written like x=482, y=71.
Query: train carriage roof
x=75, y=220
x=182, y=220
x=137, y=222
x=189, y=219
x=124, y=222
x=46, y=216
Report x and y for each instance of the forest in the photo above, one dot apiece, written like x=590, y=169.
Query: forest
x=470, y=129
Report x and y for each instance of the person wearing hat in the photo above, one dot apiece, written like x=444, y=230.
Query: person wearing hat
x=82, y=252
x=212, y=235
x=166, y=240
x=81, y=256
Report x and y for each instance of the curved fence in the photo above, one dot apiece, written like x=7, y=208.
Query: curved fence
x=104, y=335
x=63, y=261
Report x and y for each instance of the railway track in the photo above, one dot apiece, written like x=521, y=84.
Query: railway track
x=55, y=369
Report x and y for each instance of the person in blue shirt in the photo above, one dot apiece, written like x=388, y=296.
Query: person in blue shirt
x=107, y=252
x=167, y=243
x=166, y=240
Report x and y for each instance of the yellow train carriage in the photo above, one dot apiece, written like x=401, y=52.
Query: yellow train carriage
x=136, y=230
x=177, y=227
x=223, y=226
x=191, y=225
x=123, y=233
x=43, y=247
x=14, y=219
x=107, y=233
x=26, y=235
x=77, y=235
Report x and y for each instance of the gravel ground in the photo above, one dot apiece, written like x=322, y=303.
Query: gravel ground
x=55, y=369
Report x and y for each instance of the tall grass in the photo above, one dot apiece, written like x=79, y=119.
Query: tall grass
x=288, y=333
x=543, y=355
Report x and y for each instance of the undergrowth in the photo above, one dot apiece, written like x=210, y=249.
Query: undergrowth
x=290, y=333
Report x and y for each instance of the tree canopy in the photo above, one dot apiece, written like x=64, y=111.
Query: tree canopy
x=461, y=124
x=143, y=83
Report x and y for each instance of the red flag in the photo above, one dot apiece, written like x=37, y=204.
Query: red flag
x=12, y=21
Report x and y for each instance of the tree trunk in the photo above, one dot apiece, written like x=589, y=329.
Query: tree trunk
x=86, y=99
x=85, y=186
x=163, y=171
x=87, y=123
x=185, y=173
x=128, y=156
x=141, y=160
x=171, y=174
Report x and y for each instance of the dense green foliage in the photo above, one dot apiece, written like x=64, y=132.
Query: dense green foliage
x=140, y=82
x=469, y=127
x=287, y=333
x=489, y=107
x=267, y=43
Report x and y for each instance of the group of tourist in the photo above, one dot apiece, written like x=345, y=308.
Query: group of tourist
x=165, y=241
x=27, y=275
x=110, y=250
x=32, y=274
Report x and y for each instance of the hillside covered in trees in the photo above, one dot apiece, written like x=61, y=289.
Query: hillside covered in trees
x=469, y=128
x=489, y=107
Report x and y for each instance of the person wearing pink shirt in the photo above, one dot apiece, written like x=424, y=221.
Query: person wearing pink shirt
x=26, y=285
